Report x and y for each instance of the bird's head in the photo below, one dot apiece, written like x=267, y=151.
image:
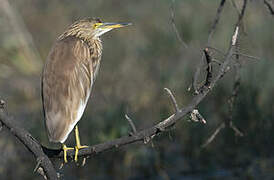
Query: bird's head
x=90, y=28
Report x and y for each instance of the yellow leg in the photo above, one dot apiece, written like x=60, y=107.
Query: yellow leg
x=65, y=149
x=78, y=144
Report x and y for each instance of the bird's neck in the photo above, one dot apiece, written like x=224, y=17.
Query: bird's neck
x=95, y=46
x=94, y=43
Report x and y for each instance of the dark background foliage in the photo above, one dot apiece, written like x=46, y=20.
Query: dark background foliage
x=138, y=62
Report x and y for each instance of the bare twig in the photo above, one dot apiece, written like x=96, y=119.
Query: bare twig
x=131, y=124
x=234, y=95
x=234, y=54
x=231, y=102
x=211, y=32
x=235, y=129
x=212, y=137
x=223, y=71
x=209, y=68
x=235, y=6
x=269, y=6
x=247, y=56
x=173, y=100
x=37, y=165
x=172, y=9
x=235, y=91
x=238, y=12
x=216, y=20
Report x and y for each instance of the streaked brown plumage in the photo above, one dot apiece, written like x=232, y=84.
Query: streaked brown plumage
x=69, y=73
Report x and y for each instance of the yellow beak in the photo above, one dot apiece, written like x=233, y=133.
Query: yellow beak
x=111, y=25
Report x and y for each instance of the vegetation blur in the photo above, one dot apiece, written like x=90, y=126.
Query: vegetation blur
x=138, y=63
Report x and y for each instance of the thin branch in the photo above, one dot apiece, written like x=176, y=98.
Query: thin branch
x=235, y=129
x=223, y=70
x=180, y=39
x=209, y=68
x=269, y=6
x=212, y=137
x=211, y=32
x=235, y=6
x=247, y=56
x=232, y=100
x=216, y=20
x=173, y=100
x=236, y=54
x=234, y=95
x=131, y=124
x=238, y=12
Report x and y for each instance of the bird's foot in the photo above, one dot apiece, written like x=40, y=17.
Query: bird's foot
x=77, y=147
x=65, y=149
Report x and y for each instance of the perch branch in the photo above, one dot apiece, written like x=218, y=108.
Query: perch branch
x=30, y=143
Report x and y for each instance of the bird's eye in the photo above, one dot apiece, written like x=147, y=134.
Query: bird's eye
x=95, y=26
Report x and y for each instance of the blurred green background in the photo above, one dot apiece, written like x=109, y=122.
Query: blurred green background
x=138, y=62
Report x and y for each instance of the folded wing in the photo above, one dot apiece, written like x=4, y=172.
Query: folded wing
x=67, y=81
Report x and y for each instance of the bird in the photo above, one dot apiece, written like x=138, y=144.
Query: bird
x=68, y=77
